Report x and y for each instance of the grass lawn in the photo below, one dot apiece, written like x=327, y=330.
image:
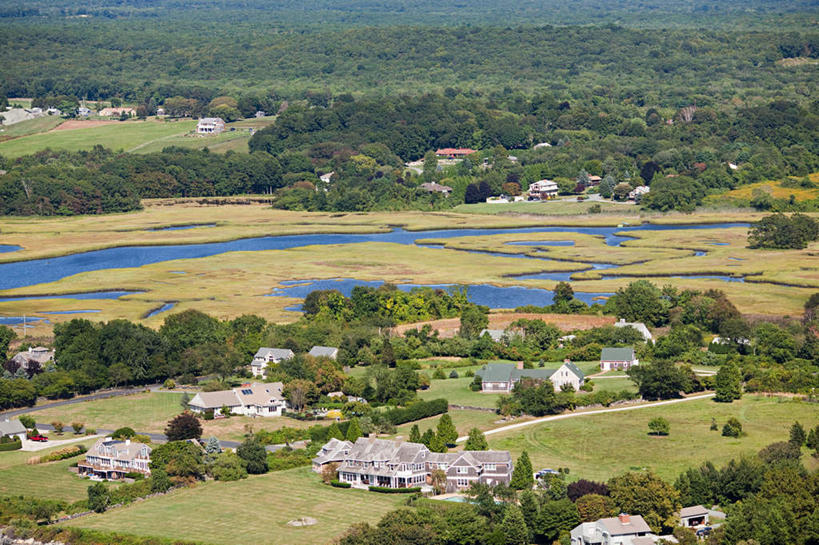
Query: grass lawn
x=52, y=480
x=235, y=427
x=457, y=392
x=601, y=446
x=464, y=421
x=249, y=512
x=614, y=384
x=31, y=126
x=148, y=412
x=119, y=136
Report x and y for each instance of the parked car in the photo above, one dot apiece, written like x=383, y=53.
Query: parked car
x=703, y=532
x=544, y=472
x=39, y=438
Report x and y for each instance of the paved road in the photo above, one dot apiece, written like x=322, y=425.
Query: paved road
x=519, y=425
x=99, y=395
x=157, y=437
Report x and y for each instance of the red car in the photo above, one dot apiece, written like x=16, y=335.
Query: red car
x=40, y=438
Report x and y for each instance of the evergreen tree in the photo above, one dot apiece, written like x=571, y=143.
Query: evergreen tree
x=522, y=476
x=353, y=431
x=728, y=383
x=530, y=508
x=428, y=437
x=98, y=497
x=212, y=446
x=437, y=444
x=798, y=435
x=333, y=431
x=513, y=526
x=813, y=438
x=387, y=354
x=446, y=430
x=476, y=440
x=556, y=517
x=415, y=434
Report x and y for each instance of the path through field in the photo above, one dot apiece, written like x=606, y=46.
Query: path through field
x=511, y=427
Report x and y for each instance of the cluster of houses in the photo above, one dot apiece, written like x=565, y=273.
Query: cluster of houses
x=396, y=464
x=265, y=356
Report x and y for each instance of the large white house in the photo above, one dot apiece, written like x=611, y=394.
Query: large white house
x=543, y=190
x=113, y=459
x=210, y=125
x=256, y=399
x=266, y=356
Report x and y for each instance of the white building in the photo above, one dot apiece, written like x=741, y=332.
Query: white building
x=12, y=428
x=210, y=125
x=639, y=326
x=620, y=530
x=113, y=459
x=543, y=190
x=256, y=399
x=324, y=352
x=266, y=356
x=637, y=193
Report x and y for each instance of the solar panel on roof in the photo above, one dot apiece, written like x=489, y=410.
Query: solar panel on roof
x=247, y=392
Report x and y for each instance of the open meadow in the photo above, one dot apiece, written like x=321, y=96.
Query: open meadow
x=600, y=446
x=254, y=511
x=52, y=480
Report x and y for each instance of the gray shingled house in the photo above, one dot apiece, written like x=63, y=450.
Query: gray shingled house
x=502, y=377
x=617, y=359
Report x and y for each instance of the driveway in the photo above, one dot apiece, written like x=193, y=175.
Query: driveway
x=155, y=437
x=34, y=446
x=519, y=425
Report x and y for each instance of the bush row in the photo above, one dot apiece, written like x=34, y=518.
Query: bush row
x=61, y=454
x=339, y=484
x=387, y=490
x=11, y=445
x=417, y=411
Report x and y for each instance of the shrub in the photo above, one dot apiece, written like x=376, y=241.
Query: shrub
x=90, y=431
x=438, y=374
x=454, y=374
x=732, y=428
x=141, y=438
x=135, y=475
x=339, y=484
x=11, y=445
x=58, y=427
x=27, y=421
x=123, y=433
x=169, y=384
x=208, y=414
x=659, y=426
x=60, y=454
x=416, y=411
x=387, y=490
x=77, y=426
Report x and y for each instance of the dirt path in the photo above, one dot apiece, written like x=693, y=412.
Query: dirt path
x=519, y=425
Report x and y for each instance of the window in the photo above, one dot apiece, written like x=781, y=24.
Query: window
x=489, y=467
x=463, y=470
x=463, y=482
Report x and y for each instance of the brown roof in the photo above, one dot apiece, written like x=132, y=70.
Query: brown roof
x=635, y=525
x=693, y=511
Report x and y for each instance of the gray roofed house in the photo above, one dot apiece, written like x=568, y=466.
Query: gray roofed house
x=502, y=377
x=620, y=530
x=334, y=451
x=617, y=358
x=265, y=356
x=694, y=516
x=33, y=357
x=12, y=428
x=435, y=187
x=324, y=352
x=113, y=459
x=639, y=326
x=256, y=399
x=395, y=464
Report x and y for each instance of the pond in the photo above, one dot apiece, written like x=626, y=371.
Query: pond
x=183, y=227
x=481, y=294
x=28, y=273
x=159, y=310
x=6, y=248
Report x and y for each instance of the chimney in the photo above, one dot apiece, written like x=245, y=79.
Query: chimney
x=624, y=518
x=567, y=360
x=622, y=320
x=519, y=365
x=127, y=442
x=29, y=350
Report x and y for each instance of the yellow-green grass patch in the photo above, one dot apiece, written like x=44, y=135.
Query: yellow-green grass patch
x=773, y=188
x=464, y=420
x=148, y=412
x=125, y=136
x=254, y=511
x=601, y=446
x=30, y=126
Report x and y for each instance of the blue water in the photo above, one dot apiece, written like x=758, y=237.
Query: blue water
x=564, y=276
x=183, y=227
x=38, y=271
x=541, y=243
x=86, y=295
x=5, y=248
x=699, y=253
x=719, y=243
x=481, y=294
x=163, y=308
x=15, y=320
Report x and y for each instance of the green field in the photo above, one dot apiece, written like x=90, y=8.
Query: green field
x=249, y=512
x=148, y=412
x=558, y=207
x=52, y=480
x=117, y=136
x=32, y=126
x=601, y=446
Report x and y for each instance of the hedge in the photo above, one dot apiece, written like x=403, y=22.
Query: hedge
x=387, y=490
x=417, y=411
x=61, y=454
x=11, y=445
x=339, y=484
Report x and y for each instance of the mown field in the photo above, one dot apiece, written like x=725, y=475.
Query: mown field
x=52, y=480
x=601, y=446
x=254, y=511
x=31, y=126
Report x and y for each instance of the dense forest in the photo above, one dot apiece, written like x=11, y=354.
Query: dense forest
x=140, y=59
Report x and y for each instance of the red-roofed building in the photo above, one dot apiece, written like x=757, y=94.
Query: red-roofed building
x=454, y=153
